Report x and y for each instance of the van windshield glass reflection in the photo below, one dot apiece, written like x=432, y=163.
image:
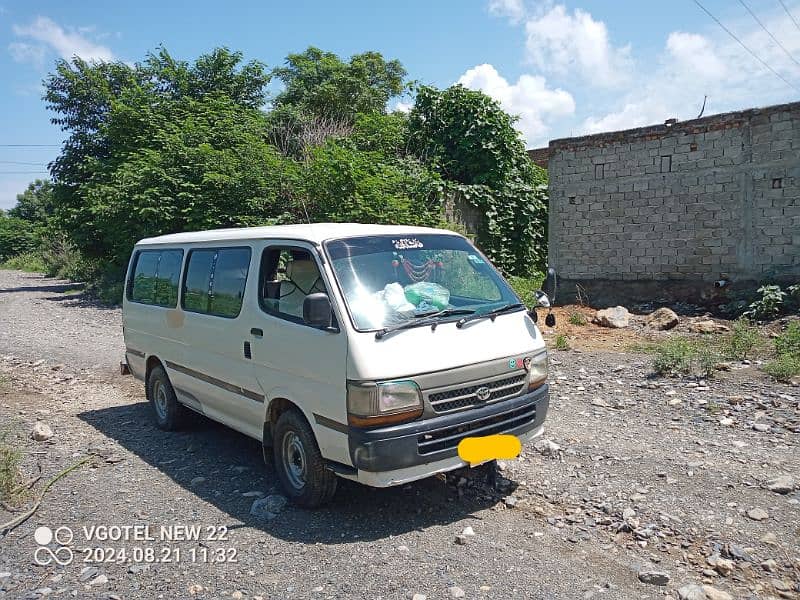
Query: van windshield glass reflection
x=387, y=280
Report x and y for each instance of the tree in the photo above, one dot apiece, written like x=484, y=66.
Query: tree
x=321, y=84
x=16, y=236
x=160, y=146
x=345, y=184
x=466, y=134
x=220, y=72
x=200, y=164
x=471, y=141
x=35, y=204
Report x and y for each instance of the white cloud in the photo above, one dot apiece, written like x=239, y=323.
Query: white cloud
x=696, y=54
x=514, y=10
x=401, y=106
x=66, y=43
x=693, y=65
x=575, y=44
x=27, y=53
x=529, y=98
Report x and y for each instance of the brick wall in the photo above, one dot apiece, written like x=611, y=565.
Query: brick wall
x=539, y=156
x=669, y=210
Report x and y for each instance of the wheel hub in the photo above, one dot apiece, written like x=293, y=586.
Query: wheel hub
x=294, y=459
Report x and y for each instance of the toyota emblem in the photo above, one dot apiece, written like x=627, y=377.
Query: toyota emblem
x=483, y=393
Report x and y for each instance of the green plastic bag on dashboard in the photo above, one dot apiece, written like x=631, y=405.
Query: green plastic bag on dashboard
x=426, y=292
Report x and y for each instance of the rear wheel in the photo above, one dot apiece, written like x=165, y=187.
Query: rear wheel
x=169, y=413
x=299, y=463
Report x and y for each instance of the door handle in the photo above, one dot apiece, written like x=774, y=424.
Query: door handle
x=257, y=331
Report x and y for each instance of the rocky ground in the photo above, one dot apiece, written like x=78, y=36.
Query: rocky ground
x=643, y=488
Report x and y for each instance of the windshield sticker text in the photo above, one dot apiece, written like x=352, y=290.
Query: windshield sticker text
x=407, y=244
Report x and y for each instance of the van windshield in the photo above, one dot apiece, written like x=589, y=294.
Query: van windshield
x=388, y=280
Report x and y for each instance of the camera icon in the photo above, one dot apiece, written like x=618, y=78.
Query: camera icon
x=44, y=537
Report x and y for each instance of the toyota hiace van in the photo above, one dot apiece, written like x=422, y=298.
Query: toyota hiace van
x=359, y=351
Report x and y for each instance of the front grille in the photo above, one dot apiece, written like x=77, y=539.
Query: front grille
x=465, y=397
x=449, y=437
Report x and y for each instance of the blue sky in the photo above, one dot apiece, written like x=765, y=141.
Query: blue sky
x=566, y=68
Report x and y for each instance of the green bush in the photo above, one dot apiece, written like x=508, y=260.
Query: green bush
x=577, y=318
x=31, y=262
x=525, y=287
x=788, y=343
x=10, y=459
x=743, y=340
x=769, y=305
x=786, y=364
x=673, y=357
x=683, y=356
x=561, y=342
x=471, y=142
x=784, y=367
x=17, y=236
x=706, y=359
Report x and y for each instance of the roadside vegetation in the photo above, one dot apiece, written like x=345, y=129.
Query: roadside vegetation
x=561, y=342
x=683, y=355
x=11, y=488
x=163, y=145
x=786, y=363
x=578, y=318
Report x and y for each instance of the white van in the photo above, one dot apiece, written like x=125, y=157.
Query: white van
x=360, y=351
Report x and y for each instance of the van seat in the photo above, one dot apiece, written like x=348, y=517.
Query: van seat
x=302, y=279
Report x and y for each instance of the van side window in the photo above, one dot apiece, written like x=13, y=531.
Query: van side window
x=288, y=275
x=168, y=277
x=227, y=285
x=215, y=281
x=155, y=277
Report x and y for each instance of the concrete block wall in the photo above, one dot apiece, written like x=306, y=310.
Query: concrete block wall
x=669, y=210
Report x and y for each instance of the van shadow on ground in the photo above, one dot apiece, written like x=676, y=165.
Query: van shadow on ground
x=231, y=465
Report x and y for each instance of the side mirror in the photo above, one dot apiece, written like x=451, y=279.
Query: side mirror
x=542, y=299
x=317, y=311
x=550, y=284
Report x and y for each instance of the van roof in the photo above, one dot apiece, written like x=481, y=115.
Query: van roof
x=313, y=232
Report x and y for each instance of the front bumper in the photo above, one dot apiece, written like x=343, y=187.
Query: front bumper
x=434, y=442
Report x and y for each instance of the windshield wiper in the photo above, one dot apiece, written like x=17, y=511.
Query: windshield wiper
x=491, y=314
x=423, y=319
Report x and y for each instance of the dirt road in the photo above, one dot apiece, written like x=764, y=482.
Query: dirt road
x=644, y=479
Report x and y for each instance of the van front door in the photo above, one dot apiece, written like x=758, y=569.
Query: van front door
x=295, y=361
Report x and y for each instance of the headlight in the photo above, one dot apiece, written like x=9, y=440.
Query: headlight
x=370, y=404
x=537, y=372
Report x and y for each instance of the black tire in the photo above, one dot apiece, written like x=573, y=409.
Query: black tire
x=169, y=413
x=307, y=483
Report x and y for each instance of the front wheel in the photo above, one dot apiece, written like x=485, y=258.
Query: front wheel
x=170, y=414
x=299, y=463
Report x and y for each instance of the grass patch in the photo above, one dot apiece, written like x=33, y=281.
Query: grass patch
x=561, y=342
x=10, y=460
x=786, y=363
x=783, y=368
x=577, y=318
x=789, y=341
x=30, y=262
x=743, y=341
x=684, y=356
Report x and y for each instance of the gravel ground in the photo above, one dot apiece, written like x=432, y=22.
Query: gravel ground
x=639, y=482
x=44, y=318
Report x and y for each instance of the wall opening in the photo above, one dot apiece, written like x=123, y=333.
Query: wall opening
x=599, y=171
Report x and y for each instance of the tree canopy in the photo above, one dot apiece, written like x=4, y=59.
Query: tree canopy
x=35, y=204
x=321, y=84
x=166, y=145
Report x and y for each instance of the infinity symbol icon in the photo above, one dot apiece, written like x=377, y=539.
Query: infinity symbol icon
x=44, y=556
